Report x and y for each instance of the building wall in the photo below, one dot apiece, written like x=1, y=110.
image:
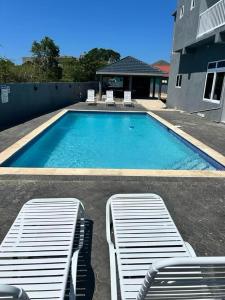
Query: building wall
x=193, y=67
x=27, y=100
x=190, y=58
x=185, y=29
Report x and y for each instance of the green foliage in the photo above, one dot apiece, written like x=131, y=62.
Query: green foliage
x=26, y=73
x=84, y=69
x=97, y=58
x=45, y=55
x=69, y=66
x=47, y=66
x=7, y=71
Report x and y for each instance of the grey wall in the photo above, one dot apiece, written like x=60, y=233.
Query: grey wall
x=185, y=30
x=205, y=4
x=193, y=67
x=27, y=100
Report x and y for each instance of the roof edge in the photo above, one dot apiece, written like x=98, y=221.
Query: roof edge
x=159, y=74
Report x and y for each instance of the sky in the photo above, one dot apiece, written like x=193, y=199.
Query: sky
x=140, y=28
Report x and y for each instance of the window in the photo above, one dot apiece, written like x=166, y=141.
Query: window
x=221, y=64
x=212, y=65
x=192, y=4
x=209, y=85
x=214, y=82
x=218, y=86
x=179, y=81
x=181, y=11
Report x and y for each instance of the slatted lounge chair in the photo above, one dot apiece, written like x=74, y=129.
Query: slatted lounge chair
x=153, y=262
x=37, y=253
x=109, y=98
x=127, y=99
x=91, y=97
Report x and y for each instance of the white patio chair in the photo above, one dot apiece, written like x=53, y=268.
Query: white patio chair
x=109, y=98
x=37, y=253
x=91, y=97
x=150, y=257
x=127, y=99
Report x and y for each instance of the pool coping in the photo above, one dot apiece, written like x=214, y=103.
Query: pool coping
x=7, y=153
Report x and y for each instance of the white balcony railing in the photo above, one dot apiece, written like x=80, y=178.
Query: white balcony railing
x=212, y=18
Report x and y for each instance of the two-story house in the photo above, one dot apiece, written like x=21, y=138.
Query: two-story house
x=198, y=59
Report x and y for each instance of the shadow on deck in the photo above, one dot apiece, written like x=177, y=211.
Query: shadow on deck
x=85, y=276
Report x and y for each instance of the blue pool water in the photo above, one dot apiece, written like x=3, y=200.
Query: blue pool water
x=110, y=140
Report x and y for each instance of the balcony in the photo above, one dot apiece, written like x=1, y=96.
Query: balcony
x=212, y=18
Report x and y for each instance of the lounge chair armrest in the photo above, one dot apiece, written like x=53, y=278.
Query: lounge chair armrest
x=173, y=262
x=81, y=216
x=74, y=275
x=189, y=261
x=112, y=253
x=190, y=249
x=74, y=260
x=16, y=293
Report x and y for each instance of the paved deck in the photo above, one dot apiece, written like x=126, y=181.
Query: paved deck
x=151, y=104
x=210, y=133
x=197, y=205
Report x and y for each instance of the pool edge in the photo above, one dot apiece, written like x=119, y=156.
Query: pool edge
x=8, y=152
x=218, y=157
x=110, y=172
x=11, y=150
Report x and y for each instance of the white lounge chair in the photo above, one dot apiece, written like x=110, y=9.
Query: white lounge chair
x=127, y=99
x=37, y=253
x=153, y=261
x=109, y=98
x=91, y=97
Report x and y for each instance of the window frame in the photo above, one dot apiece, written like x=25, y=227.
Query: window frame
x=181, y=11
x=192, y=4
x=214, y=71
x=179, y=79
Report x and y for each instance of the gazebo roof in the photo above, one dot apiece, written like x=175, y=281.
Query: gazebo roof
x=130, y=66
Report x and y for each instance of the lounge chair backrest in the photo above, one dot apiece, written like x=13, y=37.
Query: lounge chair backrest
x=109, y=96
x=127, y=96
x=91, y=95
x=185, y=278
x=36, y=253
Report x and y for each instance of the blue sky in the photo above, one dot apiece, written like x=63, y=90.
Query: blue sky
x=138, y=28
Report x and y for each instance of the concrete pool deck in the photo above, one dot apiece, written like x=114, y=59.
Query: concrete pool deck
x=196, y=204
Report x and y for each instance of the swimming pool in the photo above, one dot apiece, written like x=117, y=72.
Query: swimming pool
x=110, y=140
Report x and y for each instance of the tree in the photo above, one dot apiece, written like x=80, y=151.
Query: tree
x=26, y=72
x=48, y=66
x=102, y=56
x=7, y=71
x=46, y=55
x=84, y=68
x=68, y=65
x=95, y=59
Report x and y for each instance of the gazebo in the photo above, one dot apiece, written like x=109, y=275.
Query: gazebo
x=131, y=74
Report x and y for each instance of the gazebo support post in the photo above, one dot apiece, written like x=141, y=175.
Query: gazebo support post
x=150, y=87
x=130, y=83
x=160, y=88
x=153, y=92
x=100, y=88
